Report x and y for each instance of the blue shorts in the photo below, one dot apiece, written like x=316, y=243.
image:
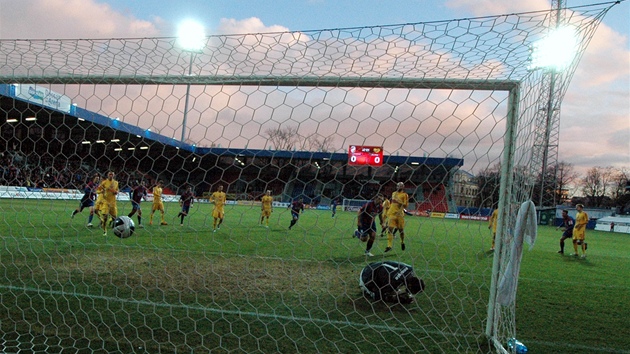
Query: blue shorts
x=295, y=215
x=86, y=203
x=135, y=205
x=366, y=228
x=185, y=209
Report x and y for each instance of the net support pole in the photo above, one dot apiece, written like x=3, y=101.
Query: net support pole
x=505, y=193
x=192, y=56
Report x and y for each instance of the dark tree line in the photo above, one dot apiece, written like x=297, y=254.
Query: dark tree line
x=601, y=187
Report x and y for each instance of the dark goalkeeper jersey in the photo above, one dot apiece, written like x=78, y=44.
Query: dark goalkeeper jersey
x=380, y=279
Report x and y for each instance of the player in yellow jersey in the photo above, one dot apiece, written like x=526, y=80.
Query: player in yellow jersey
x=109, y=188
x=158, y=204
x=99, y=203
x=266, y=207
x=579, y=230
x=218, y=198
x=396, y=216
x=383, y=217
x=492, y=224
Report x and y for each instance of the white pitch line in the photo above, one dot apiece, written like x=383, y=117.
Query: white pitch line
x=294, y=318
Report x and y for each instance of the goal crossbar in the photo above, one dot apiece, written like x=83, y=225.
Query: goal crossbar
x=323, y=81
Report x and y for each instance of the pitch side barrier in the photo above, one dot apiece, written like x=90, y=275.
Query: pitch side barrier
x=435, y=215
x=10, y=192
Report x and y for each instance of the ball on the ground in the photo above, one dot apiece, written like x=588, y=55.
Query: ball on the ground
x=363, y=236
x=123, y=227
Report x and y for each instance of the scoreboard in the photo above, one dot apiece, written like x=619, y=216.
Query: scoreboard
x=359, y=155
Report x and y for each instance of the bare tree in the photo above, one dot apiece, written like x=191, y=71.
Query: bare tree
x=288, y=138
x=316, y=142
x=597, y=184
x=283, y=137
x=620, y=179
x=565, y=176
x=488, y=181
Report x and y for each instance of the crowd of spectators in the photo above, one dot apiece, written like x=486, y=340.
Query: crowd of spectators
x=46, y=171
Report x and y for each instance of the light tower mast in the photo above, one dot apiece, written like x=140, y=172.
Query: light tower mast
x=549, y=124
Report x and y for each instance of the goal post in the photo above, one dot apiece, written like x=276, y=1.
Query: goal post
x=352, y=204
x=251, y=114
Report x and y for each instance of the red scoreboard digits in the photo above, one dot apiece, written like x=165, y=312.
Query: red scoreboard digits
x=365, y=155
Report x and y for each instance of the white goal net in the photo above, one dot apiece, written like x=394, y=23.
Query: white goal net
x=262, y=112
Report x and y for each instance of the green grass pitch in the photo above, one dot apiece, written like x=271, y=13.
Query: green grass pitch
x=254, y=289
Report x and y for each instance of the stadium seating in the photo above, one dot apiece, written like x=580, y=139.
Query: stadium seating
x=435, y=199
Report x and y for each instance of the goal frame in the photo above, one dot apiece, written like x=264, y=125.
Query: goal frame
x=511, y=87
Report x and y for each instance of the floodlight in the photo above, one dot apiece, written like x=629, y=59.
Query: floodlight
x=191, y=36
x=557, y=50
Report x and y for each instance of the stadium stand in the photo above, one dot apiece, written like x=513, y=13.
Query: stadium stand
x=61, y=148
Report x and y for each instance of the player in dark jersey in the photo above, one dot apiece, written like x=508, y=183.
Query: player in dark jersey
x=296, y=208
x=136, y=195
x=333, y=206
x=185, y=201
x=390, y=281
x=366, y=225
x=567, y=228
x=87, y=201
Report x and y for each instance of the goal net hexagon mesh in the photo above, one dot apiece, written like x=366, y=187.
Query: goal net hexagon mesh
x=258, y=112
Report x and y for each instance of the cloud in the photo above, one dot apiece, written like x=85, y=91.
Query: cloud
x=495, y=7
x=595, y=115
x=249, y=25
x=63, y=19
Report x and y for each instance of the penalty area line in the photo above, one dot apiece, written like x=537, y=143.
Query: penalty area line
x=296, y=318
x=233, y=312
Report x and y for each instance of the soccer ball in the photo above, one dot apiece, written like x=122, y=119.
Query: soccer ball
x=123, y=227
x=363, y=236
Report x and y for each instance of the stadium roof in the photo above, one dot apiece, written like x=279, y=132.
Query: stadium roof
x=82, y=113
x=14, y=91
x=330, y=156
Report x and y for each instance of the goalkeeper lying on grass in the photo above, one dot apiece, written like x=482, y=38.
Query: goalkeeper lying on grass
x=390, y=281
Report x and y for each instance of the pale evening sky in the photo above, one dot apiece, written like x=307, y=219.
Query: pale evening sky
x=595, y=118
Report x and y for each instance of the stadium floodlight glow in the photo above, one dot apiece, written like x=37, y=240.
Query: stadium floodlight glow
x=85, y=142
x=12, y=120
x=191, y=36
x=556, y=51
x=30, y=119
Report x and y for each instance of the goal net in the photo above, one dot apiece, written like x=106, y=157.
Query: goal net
x=353, y=204
x=274, y=112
